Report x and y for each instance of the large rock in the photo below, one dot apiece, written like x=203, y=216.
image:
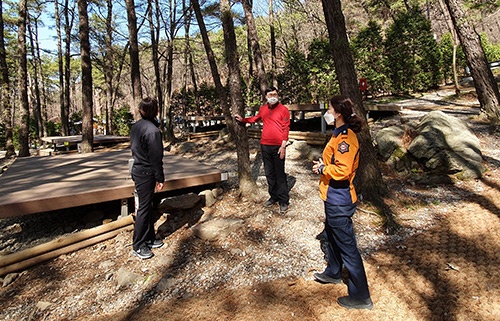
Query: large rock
x=180, y=202
x=439, y=146
x=299, y=150
x=217, y=228
x=389, y=140
x=446, y=145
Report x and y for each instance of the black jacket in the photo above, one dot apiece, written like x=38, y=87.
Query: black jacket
x=147, y=149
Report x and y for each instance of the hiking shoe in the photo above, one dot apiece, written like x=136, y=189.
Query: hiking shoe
x=283, y=208
x=323, y=278
x=352, y=303
x=154, y=244
x=143, y=253
x=269, y=202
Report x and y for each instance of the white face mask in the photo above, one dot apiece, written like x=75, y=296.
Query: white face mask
x=329, y=118
x=272, y=100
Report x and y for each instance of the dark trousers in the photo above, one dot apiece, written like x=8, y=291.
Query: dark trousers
x=274, y=168
x=343, y=250
x=144, y=226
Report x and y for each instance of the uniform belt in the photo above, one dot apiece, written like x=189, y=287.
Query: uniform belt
x=339, y=184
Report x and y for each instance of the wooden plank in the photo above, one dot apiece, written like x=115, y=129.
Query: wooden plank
x=40, y=184
x=203, y=134
x=299, y=107
x=312, y=138
x=75, y=139
x=306, y=107
x=382, y=107
x=202, y=118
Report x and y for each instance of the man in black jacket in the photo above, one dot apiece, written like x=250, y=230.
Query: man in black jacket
x=147, y=173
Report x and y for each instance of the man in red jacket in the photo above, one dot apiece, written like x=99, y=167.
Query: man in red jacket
x=275, y=118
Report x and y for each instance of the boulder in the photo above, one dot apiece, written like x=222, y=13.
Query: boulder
x=217, y=228
x=446, y=145
x=439, y=146
x=180, y=202
x=389, y=140
x=208, y=196
x=299, y=150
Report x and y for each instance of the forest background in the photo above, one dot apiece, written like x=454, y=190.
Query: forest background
x=400, y=47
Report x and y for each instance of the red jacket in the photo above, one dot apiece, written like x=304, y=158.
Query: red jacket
x=276, y=124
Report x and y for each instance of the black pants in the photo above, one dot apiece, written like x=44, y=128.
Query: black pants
x=274, y=168
x=144, y=230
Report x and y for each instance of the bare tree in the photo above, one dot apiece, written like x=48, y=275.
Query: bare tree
x=135, y=71
x=484, y=82
x=273, y=43
x=248, y=187
x=369, y=179
x=221, y=92
x=254, y=42
x=23, y=81
x=154, y=28
x=60, y=64
x=172, y=25
x=37, y=75
x=5, y=106
x=108, y=66
x=69, y=16
x=188, y=57
x=87, y=103
x=455, y=42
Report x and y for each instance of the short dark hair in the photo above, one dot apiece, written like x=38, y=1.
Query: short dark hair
x=272, y=88
x=148, y=108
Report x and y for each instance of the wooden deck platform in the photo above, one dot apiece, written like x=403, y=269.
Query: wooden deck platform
x=40, y=184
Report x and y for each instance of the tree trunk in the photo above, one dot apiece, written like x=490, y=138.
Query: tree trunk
x=108, y=68
x=87, y=103
x=169, y=128
x=154, y=53
x=5, y=106
x=221, y=92
x=273, y=44
x=484, y=81
x=23, y=81
x=67, y=67
x=189, y=58
x=135, y=71
x=368, y=178
x=248, y=187
x=256, y=52
x=454, y=39
x=37, y=74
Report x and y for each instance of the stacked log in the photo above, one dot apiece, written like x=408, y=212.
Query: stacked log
x=66, y=244
x=311, y=138
x=203, y=134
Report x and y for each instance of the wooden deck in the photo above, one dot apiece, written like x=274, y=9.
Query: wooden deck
x=40, y=184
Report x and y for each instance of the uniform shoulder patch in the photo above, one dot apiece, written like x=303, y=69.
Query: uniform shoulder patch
x=343, y=147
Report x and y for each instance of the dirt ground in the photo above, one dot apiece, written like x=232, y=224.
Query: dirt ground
x=445, y=266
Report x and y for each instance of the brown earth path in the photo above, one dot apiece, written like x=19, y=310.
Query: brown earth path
x=448, y=272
